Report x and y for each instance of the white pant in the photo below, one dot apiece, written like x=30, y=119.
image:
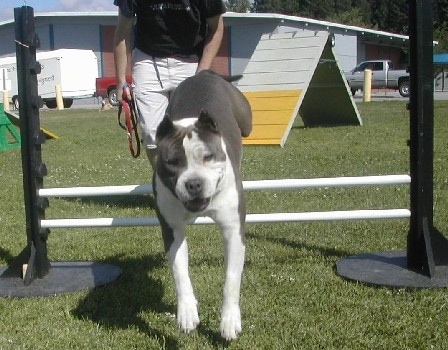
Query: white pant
x=154, y=78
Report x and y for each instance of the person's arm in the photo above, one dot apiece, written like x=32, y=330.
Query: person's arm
x=122, y=50
x=212, y=42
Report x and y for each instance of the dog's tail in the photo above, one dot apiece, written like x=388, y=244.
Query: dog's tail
x=229, y=78
x=232, y=78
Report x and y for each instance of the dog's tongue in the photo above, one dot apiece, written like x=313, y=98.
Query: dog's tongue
x=197, y=204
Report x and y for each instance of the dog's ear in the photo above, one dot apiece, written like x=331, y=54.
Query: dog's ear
x=164, y=128
x=206, y=122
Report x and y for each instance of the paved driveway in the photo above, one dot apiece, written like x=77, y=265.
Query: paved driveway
x=388, y=95
x=378, y=95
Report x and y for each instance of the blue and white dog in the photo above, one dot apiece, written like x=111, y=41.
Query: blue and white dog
x=199, y=152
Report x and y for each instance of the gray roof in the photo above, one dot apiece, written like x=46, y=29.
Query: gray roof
x=368, y=34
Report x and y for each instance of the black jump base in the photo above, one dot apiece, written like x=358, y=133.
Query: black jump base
x=63, y=277
x=389, y=269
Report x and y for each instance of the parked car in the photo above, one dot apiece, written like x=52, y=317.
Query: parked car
x=384, y=76
x=106, y=87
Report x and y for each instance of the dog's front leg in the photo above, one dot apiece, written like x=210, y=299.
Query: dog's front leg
x=187, y=305
x=234, y=261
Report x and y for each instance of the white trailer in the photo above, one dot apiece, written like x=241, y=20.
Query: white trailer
x=75, y=71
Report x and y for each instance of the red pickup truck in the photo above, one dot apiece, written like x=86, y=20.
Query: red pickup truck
x=106, y=87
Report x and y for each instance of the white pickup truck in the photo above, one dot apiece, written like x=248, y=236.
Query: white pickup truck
x=383, y=77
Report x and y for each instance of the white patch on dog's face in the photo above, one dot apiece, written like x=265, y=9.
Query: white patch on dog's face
x=205, y=168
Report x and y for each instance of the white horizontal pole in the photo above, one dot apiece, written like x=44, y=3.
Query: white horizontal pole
x=250, y=218
x=281, y=184
x=346, y=181
x=92, y=191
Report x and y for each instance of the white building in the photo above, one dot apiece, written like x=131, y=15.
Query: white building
x=94, y=31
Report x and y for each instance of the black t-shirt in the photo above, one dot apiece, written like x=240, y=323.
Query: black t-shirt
x=170, y=27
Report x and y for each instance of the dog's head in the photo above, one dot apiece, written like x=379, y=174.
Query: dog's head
x=191, y=159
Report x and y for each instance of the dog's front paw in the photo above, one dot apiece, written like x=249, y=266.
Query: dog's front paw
x=187, y=315
x=230, y=322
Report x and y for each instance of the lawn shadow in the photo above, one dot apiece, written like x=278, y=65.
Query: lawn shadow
x=118, y=201
x=326, y=252
x=6, y=255
x=302, y=127
x=119, y=304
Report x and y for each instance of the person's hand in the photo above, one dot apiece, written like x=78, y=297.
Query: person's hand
x=124, y=93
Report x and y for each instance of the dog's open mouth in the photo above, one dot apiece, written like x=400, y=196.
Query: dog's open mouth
x=197, y=204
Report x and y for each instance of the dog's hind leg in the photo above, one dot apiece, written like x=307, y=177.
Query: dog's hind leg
x=241, y=110
x=234, y=261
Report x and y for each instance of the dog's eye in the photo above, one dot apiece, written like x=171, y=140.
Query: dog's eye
x=209, y=157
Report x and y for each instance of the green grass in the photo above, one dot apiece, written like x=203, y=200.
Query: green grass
x=292, y=297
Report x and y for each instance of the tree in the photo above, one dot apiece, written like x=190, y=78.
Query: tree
x=440, y=13
x=292, y=7
x=267, y=6
x=397, y=17
x=441, y=35
x=286, y=7
x=342, y=6
x=241, y=6
x=387, y=15
x=321, y=9
x=351, y=17
x=365, y=10
x=379, y=13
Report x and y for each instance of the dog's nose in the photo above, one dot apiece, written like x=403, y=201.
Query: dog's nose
x=194, y=187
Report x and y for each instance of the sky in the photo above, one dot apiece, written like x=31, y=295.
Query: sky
x=7, y=6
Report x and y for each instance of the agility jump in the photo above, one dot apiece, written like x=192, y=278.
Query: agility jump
x=283, y=184
x=425, y=260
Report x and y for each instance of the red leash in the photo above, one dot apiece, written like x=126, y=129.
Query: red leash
x=128, y=105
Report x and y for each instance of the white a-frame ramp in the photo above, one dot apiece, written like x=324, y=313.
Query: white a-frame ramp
x=295, y=73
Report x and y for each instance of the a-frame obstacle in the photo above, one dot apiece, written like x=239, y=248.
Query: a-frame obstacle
x=14, y=119
x=291, y=74
x=9, y=136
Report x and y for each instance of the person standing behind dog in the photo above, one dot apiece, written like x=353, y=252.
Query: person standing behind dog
x=173, y=39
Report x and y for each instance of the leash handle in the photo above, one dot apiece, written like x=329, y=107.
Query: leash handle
x=127, y=105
